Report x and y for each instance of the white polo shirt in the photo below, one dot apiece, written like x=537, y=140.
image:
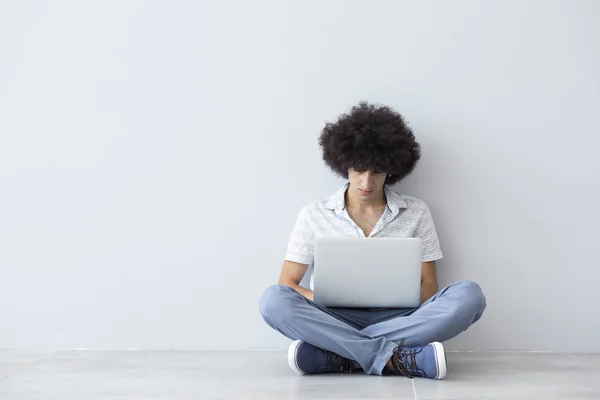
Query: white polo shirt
x=404, y=216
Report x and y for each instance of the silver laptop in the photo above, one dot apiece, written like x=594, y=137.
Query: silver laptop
x=367, y=272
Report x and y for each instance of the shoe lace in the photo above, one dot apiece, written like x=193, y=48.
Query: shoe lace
x=404, y=361
x=338, y=363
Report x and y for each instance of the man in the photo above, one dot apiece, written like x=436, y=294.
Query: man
x=372, y=148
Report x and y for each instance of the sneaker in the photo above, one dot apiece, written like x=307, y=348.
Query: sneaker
x=422, y=361
x=305, y=358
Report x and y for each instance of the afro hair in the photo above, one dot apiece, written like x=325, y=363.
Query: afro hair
x=370, y=137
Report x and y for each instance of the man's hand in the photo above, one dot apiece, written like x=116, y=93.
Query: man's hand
x=291, y=275
x=310, y=295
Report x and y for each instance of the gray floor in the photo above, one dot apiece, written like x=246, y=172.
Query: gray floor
x=265, y=375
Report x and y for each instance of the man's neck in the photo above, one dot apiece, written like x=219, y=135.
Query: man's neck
x=379, y=201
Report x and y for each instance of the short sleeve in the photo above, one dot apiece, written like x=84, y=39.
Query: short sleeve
x=427, y=232
x=300, y=247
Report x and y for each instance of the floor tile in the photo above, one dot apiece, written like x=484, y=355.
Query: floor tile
x=188, y=375
x=12, y=361
x=265, y=375
x=516, y=375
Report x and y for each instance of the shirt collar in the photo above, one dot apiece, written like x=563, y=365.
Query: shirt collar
x=337, y=200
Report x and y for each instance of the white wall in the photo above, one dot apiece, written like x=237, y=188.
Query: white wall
x=154, y=155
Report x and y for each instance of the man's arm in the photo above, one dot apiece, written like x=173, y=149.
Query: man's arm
x=429, y=282
x=291, y=275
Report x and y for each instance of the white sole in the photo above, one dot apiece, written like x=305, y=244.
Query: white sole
x=293, y=349
x=440, y=358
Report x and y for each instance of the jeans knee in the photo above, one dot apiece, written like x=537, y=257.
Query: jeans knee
x=472, y=295
x=272, y=302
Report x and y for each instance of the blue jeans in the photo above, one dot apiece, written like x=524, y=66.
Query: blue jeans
x=369, y=336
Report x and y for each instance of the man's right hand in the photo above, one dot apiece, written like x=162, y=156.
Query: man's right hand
x=309, y=295
x=291, y=275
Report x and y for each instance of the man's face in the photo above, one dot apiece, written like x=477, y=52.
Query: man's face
x=366, y=183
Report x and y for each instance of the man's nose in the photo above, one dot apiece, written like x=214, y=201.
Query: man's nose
x=368, y=178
